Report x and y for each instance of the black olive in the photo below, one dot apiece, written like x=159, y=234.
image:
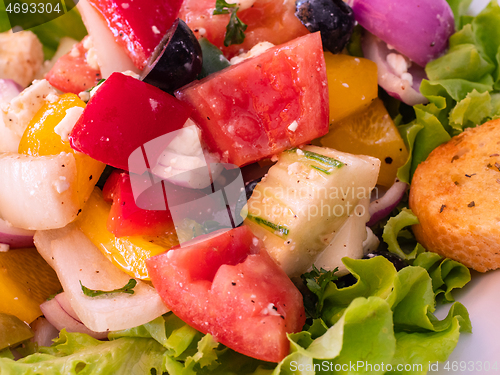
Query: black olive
x=333, y=18
x=176, y=61
x=245, y=196
x=393, y=258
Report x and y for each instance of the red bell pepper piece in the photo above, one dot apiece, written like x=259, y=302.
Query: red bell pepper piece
x=122, y=116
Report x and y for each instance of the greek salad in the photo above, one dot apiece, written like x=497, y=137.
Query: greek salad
x=222, y=186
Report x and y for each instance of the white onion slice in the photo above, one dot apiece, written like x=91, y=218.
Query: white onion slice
x=75, y=258
x=43, y=332
x=38, y=192
x=111, y=57
x=383, y=206
x=15, y=237
x=65, y=303
x=377, y=51
x=60, y=319
x=9, y=139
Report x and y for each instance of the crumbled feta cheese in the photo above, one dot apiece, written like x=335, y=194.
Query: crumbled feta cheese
x=407, y=77
x=64, y=128
x=300, y=152
x=85, y=96
x=293, y=126
x=75, y=52
x=61, y=186
x=19, y=112
x=398, y=63
x=4, y=247
x=91, y=55
x=183, y=161
x=294, y=168
x=202, y=31
x=21, y=56
x=52, y=98
x=257, y=50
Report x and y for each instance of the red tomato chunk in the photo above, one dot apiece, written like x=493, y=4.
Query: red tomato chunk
x=267, y=20
x=124, y=114
x=264, y=105
x=230, y=287
x=72, y=73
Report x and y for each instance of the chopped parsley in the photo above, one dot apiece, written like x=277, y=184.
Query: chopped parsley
x=316, y=281
x=128, y=288
x=235, y=29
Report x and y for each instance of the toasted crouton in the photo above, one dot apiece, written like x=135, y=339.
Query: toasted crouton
x=455, y=194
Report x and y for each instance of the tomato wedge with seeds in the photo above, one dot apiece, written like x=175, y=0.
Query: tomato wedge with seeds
x=264, y=105
x=228, y=286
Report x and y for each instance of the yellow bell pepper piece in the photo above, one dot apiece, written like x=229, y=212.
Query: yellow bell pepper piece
x=40, y=139
x=26, y=281
x=352, y=84
x=370, y=132
x=127, y=253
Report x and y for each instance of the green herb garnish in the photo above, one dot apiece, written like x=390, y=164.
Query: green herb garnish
x=317, y=281
x=279, y=230
x=94, y=293
x=320, y=169
x=235, y=29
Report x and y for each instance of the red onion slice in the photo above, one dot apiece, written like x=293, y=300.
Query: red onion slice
x=60, y=319
x=396, y=83
x=15, y=237
x=9, y=89
x=419, y=29
x=383, y=206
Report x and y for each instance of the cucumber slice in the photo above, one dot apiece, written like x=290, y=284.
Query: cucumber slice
x=304, y=201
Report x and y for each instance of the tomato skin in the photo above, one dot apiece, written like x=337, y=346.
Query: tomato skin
x=72, y=73
x=224, y=285
x=124, y=114
x=125, y=218
x=268, y=20
x=138, y=26
x=245, y=111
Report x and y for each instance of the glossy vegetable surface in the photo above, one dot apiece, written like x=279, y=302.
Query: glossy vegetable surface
x=263, y=105
x=176, y=61
x=418, y=29
x=138, y=26
x=124, y=114
x=333, y=18
x=40, y=139
x=228, y=286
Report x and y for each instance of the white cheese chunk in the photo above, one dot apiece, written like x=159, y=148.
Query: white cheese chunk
x=19, y=112
x=64, y=128
x=256, y=50
x=21, y=56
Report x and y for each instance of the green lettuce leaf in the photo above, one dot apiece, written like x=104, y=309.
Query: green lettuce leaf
x=375, y=278
x=462, y=88
x=446, y=274
x=395, y=236
x=76, y=353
